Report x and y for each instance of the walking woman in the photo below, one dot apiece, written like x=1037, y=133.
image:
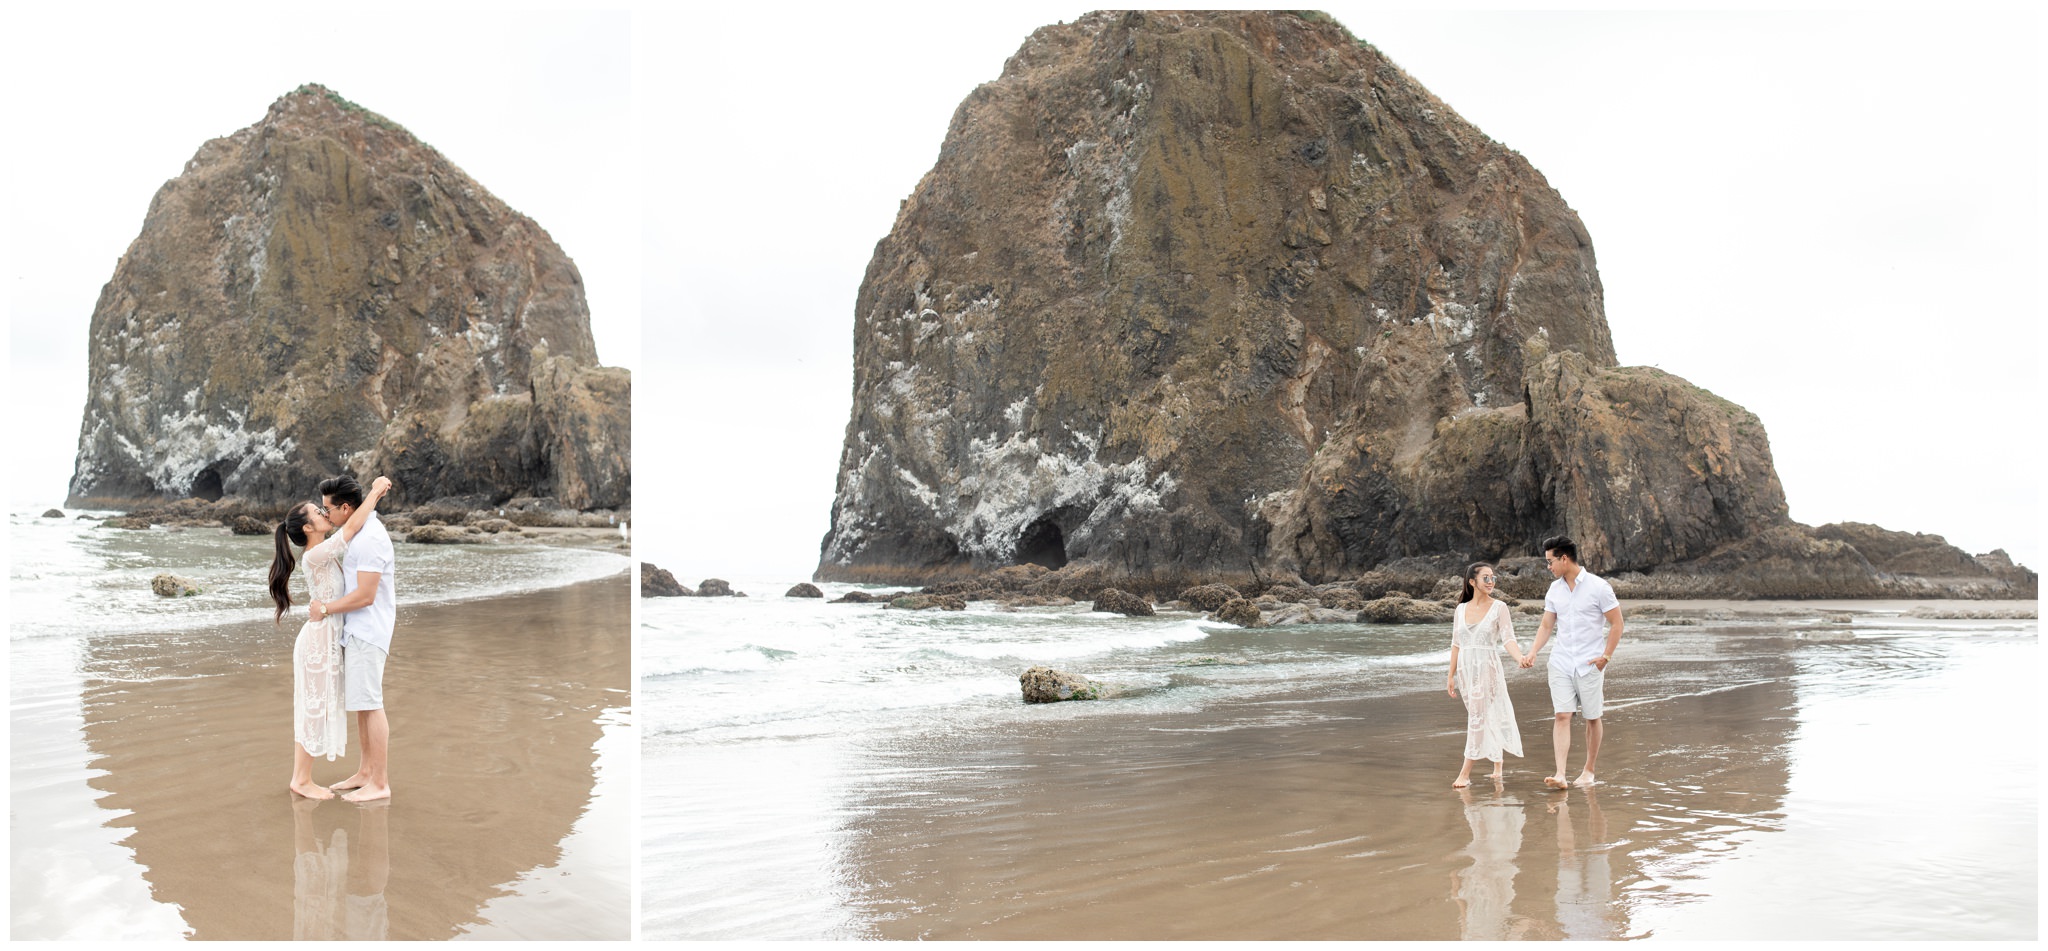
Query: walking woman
x=1480, y=627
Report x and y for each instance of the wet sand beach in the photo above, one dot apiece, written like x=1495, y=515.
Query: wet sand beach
x=1767, y=774
x=149, y=799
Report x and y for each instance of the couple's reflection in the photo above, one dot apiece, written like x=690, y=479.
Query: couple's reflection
x=335, y=894
x=1485, y=890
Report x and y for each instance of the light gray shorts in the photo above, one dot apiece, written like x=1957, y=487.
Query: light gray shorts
x=362, y=675
x=1569, y=693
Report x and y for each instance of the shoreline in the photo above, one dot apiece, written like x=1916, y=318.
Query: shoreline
x=149, y=799
x=1737, y=751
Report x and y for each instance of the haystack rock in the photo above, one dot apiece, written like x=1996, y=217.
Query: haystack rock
x=1229, y=297
x=323, y=292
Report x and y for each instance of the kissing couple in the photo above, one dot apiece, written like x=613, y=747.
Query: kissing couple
x=338, y=659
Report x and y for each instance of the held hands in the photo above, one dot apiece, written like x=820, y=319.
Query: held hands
x=1528, y=660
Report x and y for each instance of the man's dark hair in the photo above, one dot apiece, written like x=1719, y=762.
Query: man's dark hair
x=342, y=490
x=1563, y=546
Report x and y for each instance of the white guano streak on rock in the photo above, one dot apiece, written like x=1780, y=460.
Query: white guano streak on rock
x=187, y=443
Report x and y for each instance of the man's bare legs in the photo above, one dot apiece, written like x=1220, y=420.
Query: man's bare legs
x=372, y=779
x=1561, y=745
x=302, y=775
x=1593, y=731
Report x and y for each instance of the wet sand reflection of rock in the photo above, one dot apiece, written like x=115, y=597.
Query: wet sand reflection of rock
x=494, y=707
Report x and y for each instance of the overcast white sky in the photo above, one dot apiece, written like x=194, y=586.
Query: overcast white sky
x=1831, y=219
x=107, y=104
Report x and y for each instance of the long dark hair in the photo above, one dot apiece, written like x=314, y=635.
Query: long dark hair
x=1471, y=580
x=293, y=530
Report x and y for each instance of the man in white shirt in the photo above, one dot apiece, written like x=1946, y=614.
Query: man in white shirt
x=1579, y=605
x=369, y=609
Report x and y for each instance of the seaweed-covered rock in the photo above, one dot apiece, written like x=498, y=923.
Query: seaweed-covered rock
x=1209, y=597
x=244, y=525
x=172, y=586
x=1403, y=611
x=1241, y=612
x=1046, y=685
x=1121, y=602
x=928, y=602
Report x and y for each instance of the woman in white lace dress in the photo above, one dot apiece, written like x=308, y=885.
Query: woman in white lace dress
x=319, y=724
x=1480, y=627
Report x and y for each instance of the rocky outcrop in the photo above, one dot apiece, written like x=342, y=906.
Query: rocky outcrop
x=1209, y=597
x=1113, y=601
x=1240, y=612
x=322, y=286
x=659, y=583
x=1396, y=610
x=804, y=590
x=714, y=588
x=1229, y=297
x=172, y=586
x=1046, y=685
x=53, y=513
x=929, y=602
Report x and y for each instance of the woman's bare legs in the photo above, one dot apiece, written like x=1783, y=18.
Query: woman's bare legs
x=302, y=775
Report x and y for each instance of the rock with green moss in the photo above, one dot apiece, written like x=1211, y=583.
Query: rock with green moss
x=1045, y=685
x=172, y=586
x=324, y=286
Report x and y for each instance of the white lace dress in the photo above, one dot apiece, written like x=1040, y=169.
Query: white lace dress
x=319, y=722
x=1489, y=717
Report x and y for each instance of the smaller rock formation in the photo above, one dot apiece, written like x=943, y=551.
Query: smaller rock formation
x=864, y=597
x=926, y=602
x=1119, y=602
x=1240, y=612
x=244, y=525
x=1393, y=610
x=439, y=535
x=658, y=583
x=172, y=586
x=54, y=513
x=804, y=590
x=1209, y=597
x=1046, y=685
x=714, y=588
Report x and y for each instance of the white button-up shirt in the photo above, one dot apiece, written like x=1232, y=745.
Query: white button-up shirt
x=1581, y=620
x=370, y=550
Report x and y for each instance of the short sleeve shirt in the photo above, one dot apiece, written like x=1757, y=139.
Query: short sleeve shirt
x=1581, y=620
x=370, y=550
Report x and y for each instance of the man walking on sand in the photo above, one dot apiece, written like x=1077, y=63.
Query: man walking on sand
x=369, y=609
x=1577, y=605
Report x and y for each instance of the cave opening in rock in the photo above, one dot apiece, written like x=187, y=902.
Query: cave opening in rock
x=1042, y=544
x=207, y=486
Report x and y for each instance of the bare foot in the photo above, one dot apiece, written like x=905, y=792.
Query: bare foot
x=1463, y=781
x=353, y=782
x=367, y=793
x=311, y=790
x=1585, y=779
x=1555, y=782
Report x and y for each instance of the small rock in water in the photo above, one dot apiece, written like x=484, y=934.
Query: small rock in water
x=54, y=513
x=926, y=602
x=1209, y=597
x=1240, y=612
x=172, y=586
x=714, y=588
x=244, y=525
x=1393, y=610
x=1124, y=603
x=804, y=590
x=658, y=583
x=1046, y=685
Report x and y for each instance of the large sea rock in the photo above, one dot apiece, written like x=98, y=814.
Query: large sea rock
x=323, y=291
x=1228, y=297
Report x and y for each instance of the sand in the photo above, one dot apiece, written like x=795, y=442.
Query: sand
x=502, y=823
x=1754, y=784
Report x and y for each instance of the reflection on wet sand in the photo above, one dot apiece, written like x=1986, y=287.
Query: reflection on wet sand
x=1323, y=817
x=334, y=899
x=495, y=710
x=1485, y=891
